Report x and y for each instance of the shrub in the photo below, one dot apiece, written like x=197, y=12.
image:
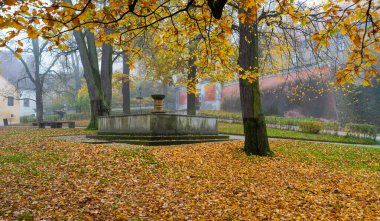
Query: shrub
x=77, y=116
x=221, y=114
x=333, y=126
x=278, y=122
x=51, y=117
x=312, y=127
x=26, y=119
x=358, y=130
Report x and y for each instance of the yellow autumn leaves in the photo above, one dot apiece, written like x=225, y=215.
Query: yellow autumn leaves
x=9, y=2
x=48, y=178
x=358, y=21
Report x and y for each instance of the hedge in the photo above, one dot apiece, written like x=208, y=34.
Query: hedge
x=54, y=117
x=331, y=126
x=26, y=119
x=360, y=130
x=273, y=121
x=312, y=127
x=76, y=116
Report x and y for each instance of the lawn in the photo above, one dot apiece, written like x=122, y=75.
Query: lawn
x=45, y=178
x=230, y=128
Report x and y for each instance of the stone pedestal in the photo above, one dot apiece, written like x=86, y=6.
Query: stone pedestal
x=158, y=103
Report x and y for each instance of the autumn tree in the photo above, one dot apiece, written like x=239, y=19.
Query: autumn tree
x=99, y=81
x=180, y=21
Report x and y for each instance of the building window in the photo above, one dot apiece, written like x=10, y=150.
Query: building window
x=11, y=101
x=26, y=102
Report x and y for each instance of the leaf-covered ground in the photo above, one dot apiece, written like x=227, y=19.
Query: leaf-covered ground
x=45, y=178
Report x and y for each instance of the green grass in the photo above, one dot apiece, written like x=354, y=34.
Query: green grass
x=229, y=128
x=341, y=157
x=14, y=158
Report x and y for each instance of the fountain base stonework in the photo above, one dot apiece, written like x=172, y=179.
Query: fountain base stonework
x=158, y=128
x=158, y=124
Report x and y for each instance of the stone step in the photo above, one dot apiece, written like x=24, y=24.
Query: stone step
x=166, y=142
x=158, y=137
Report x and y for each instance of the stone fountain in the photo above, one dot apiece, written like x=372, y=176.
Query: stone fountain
x=158, y=127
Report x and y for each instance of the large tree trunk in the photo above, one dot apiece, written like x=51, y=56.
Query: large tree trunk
x=89, y=59
x=106, y=73
x=125, y=89
x=256, y=139
x=191, y=101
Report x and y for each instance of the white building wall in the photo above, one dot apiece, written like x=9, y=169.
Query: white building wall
x=9, y=112
x=25, y=109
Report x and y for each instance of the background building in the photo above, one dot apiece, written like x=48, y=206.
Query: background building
x=9, y=103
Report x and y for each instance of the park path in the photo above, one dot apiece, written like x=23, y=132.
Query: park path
x=239, y=137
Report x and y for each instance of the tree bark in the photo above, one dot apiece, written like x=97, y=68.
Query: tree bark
x=191, y=101
x=125, y=89
x=39, y=105
x=106, y=73
x=37, y=83
x=256, y=139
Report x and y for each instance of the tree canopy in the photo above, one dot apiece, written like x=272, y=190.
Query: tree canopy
x=213, y=21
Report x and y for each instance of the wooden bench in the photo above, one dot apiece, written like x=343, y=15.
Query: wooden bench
x=55, y=124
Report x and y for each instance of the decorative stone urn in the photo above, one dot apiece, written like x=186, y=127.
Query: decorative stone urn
x=158, y=103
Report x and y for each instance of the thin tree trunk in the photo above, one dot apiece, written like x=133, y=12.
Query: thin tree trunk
x=256, y=139
x=164, y=89
x=77, y=83
x=125, y=89
x=191, y=104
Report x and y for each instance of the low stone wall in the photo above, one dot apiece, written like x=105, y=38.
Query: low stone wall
x=156, y=124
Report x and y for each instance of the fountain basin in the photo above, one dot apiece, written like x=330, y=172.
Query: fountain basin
x=157, y=124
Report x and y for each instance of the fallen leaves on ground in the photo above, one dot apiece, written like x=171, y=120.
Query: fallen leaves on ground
x=46, y=178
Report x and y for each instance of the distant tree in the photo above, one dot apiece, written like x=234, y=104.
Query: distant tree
x=40, y=70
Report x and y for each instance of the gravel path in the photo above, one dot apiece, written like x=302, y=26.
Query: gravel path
x=82, y=139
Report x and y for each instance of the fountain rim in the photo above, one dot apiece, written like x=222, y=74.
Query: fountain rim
x=155, y=114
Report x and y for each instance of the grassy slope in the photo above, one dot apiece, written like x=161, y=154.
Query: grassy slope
x=229, y=128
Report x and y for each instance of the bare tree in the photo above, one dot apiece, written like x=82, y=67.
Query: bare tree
x=39, y=71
